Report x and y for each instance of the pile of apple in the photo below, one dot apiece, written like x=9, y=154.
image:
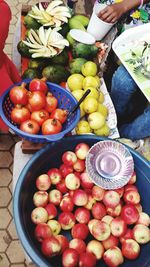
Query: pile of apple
x=102, y=224
x=36, y=109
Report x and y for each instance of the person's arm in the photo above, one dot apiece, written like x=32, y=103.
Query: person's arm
x=113, y=12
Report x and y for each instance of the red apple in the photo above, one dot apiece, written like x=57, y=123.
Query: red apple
x=62, y=187
x=141, y=234
x=87, y=259
x=130, y=187
x=42, y=231
x=91, y=201
x=55, y=197
x=101, y=230
x=111, y=241
x=86, y=181
x=118, y=227
x=79, y=166
x=63, y=242
x=50, y=247
x=66, y=203
x=72, y=181
x=128, y=235
x=91, y=223
x=80, y=231
x=39, y=215
x=82, y=215
x=69, y=158
x=97, y=193
x=129, y=214
x=78, y=244
x=55, y=226
x=107, y=219
x=51, y=210
x=40, y=198
x=114, y=212
x=88, y=191
x=113, y=257
x=55, y=175
x=71, y=193
x=43, y=182
x=111, y=199
x=133, y=178
x=95, y=247
x=98, y=211
x=65, y=170
x=120, y=191
x=82, y=150
x=67, y=220
x=131, y=197
x=143, y=219
x=138, y=207
x=70, y=258
x=130, y=249
x=80, y=197
x=77, y=174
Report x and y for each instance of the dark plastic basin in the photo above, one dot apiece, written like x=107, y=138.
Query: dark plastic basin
x=49, y=157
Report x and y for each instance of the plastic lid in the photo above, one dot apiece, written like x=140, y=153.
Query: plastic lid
x=109, y=164
x=82, y=36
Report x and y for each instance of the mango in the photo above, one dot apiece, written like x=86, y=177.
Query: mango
x=83, y=19
x=75, y=24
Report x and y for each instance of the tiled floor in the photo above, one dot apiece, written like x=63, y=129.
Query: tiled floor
x=11, y=252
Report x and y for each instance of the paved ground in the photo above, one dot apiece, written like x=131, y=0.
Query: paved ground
x=11, y=252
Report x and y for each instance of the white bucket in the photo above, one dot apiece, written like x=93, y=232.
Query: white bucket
x=97, y=27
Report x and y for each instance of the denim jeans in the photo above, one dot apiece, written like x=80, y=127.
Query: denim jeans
x=122, y=89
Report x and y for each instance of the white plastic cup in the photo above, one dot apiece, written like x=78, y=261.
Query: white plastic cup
x=97, y=27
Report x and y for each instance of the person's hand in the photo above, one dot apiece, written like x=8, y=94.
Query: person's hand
x=111, y=13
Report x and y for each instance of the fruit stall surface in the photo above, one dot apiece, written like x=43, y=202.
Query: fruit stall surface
x=11, y=252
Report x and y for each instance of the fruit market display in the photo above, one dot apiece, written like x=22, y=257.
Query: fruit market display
x=83, y=223
x=36, y=109
x=93, y=112
x=48, y=50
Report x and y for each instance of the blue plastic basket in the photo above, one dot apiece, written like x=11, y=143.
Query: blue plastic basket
x=50, y=157
x=65, y=101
